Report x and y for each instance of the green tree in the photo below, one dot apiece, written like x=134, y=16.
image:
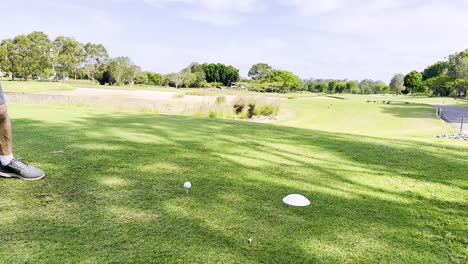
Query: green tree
x=321, y=87
x=367, y=86
x=4, y=58
x=352, y=87
x=211, y=72
x=131, y=72
x=156, y=79
x=221, y=73
x=142, y=78
x=167, y=79
x=177, y=79
x=230, y=75
x=381, y=87
x=453, y=62
x=69, y=53
x=260, y=71
x=332, y=85
x=196, y=69
x=121, y=70
x=397, y=83
x=439, y=85
x=189, y=79
x=37, y=57
x=461, y=68
x=341, y=87
x=413, y=81
x=95, y=56
x=460, y=87
x=284, y=80
x=435, y=70
x=27, y=56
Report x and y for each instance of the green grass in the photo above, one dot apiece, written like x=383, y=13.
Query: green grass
x=385, y=192
x=355, y=115
x=29, y=87
x=44, y=86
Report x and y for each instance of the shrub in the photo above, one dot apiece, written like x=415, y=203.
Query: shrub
x=220, y=99
x=212, y=114
x=246, y=107
x=266, y=109
x=201, y=92
x=243, y=115
x=244, y=104
x=179, y=95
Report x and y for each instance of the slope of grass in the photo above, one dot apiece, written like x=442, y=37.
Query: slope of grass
x=114, y=190
x=366, y=115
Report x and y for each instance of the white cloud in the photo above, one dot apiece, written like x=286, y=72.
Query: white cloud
x=378, y=38
x=215, y=12
x=316, y=38
x=312, y=7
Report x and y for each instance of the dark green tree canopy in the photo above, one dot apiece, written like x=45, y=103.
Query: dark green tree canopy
x=221, y=73
x=435, y=70
x=413, y=81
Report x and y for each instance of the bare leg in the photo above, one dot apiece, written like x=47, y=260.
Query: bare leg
x=5, y=132
x=12, y=167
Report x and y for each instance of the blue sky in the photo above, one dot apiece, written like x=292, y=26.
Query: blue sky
x=315, y=39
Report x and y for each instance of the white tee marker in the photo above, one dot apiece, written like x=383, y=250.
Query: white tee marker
x=296, y=200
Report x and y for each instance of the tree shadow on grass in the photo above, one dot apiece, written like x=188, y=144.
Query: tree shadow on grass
x=114, y=192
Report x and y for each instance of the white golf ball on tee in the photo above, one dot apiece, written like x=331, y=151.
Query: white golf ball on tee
x=187, y=185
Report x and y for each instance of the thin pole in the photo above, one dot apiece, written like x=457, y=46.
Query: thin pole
x=461, y=126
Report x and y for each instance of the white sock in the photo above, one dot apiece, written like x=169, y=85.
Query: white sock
x=5, y=160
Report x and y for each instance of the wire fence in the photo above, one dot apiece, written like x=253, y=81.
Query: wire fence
x=453, y=116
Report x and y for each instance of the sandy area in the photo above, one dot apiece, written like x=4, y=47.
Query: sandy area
x=136, y=94
x=164, y=102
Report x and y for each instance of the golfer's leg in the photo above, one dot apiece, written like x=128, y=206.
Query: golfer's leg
x=9, y=166
x=5, y=132
x=6, y=155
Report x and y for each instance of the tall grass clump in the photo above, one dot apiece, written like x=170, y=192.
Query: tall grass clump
x=244, y=106
x=202, y=92
x=220, y=99
x=247, y=107
x=267, y=109
x=179, y=95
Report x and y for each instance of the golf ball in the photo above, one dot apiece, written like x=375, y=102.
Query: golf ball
x=187, y=185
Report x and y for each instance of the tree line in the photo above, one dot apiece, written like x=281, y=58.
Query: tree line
x=265, y=78
x=35, y=56
x=443, y=78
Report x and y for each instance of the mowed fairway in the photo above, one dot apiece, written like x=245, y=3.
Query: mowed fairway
x=383, y=189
